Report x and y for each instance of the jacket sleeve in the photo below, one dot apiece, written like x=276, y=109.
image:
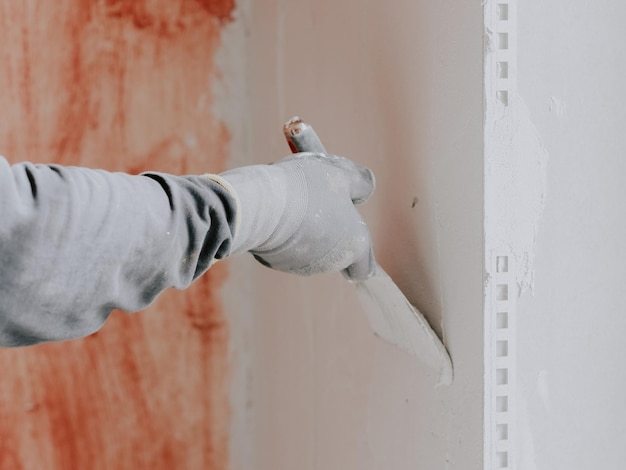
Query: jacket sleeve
x=76, y=243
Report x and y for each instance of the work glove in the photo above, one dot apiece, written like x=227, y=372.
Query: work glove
x=298, y=215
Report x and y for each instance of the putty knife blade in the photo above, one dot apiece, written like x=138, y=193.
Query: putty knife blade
x=396, y=320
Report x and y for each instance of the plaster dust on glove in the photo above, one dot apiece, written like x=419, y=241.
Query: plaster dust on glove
x=391, y=316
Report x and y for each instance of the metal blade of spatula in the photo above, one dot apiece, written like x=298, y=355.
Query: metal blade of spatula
x=391, y=316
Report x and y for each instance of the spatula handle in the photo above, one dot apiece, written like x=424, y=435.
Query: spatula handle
x=301, y=137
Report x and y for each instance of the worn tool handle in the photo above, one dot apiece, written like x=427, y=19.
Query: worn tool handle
x=301, y=137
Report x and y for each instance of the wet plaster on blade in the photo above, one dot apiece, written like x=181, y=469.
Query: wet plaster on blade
x=394, y=319
x=120, y=85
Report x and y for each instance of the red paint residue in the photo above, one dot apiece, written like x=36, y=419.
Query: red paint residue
x=145, y=15
x=220, y=9
x=121, y=85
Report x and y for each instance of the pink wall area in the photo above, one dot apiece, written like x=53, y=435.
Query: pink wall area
x=124, y=86
x=396, y=86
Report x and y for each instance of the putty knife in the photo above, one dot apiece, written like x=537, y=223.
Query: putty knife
x=390, y=314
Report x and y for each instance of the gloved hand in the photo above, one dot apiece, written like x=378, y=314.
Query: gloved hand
x=298, y=215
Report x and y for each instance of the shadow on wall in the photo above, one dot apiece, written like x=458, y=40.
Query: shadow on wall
x=124, y=86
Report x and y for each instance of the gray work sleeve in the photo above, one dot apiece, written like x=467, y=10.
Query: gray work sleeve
x=76, y=243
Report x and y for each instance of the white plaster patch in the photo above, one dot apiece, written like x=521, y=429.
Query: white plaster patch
x=515, y=188
x=515, y=175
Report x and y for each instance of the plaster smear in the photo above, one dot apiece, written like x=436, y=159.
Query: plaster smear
x=515, y=184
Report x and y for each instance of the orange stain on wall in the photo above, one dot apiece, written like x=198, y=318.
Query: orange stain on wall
x=123, y=85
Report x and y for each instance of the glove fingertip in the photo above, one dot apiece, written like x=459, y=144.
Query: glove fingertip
x=362, y=269
x=364, y=188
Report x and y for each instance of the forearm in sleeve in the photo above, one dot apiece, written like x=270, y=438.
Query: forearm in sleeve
x=77, y=243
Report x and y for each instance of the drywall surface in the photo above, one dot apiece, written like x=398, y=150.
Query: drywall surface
x=398, y=87
x=566, y=116
x=571, y=326
x=124, y=86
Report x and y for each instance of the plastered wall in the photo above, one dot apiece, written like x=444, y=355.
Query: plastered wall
x=571, y=324
x=396, y=86
x=555, y=177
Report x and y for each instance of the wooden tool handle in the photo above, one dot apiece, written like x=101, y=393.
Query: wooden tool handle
x=301, y=137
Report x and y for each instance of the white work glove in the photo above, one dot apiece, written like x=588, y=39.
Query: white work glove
x=298, y=215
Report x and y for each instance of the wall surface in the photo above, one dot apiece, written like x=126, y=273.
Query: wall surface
x=134, y=85
x=572, y=324
x=398, y=87
x=555, y=181
x=124, y=86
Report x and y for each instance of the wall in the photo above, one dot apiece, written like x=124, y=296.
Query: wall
x=133, y=86
x=571, y=325
x=397, y=87
x=564, y=144
x=124, y=86
x=296, y=380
